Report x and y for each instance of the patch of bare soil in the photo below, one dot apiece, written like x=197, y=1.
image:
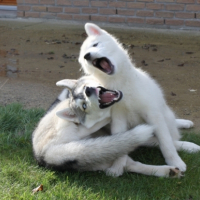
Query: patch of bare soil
x=33, y=56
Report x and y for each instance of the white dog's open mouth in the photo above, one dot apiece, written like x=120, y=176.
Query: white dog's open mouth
x=108, y=97
x=104, y=65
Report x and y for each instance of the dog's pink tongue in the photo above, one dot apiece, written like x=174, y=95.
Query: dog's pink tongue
x=104, y=64
x=106, y=97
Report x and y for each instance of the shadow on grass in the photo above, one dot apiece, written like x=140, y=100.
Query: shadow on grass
x=19, y=173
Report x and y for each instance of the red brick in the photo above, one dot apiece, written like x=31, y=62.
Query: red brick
x=55, y=9
x=47, y=2
x=194, y=23
x=81, y=3
x=135, y=5
x=117, y=4
x=174, y=22
x=175, y=7
x=164, y=14
x=48, y=15
x=20, y=2
x=99, y=18
x=72, y=10
x=99, y=3
x=145, y=13
x=198, y=15
x=31, y=1
x=90, y=10
x=32, y=14
x=117, y=19
x=23, y=8
x=198, y=1
x=184, y=15
x=135, y=20
x=125, y=12
x=20, y=13
x=64, y=16
x=155, y=6
x=185, y=1
x=39, y=8
x=193, y=7
x=155, y=21
x=64, y=2
x=165, y=1
x=107, y=11
x=81, y=17
x=146, y=0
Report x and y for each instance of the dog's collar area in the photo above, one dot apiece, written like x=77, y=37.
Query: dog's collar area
x=104, y=65
x=108, y=97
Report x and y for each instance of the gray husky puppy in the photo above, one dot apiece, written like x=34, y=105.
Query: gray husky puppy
x=63, y=138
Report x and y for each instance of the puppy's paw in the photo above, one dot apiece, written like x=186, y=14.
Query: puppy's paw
x=115, y=171
x=184, y=123
x=178, y=163
x=175, y=173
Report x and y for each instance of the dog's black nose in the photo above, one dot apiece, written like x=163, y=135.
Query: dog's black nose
x=87, y=56
x=89, y=91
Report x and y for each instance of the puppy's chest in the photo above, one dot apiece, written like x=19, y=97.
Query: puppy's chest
x=134, y=119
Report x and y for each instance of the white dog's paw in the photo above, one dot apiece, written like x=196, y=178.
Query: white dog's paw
x=115, y=171
x=191, y=148
x=175, y=173
x=184, y=123
x=187, y=146
x=178, y=163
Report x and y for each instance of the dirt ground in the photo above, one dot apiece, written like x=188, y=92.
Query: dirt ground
x=36, y=54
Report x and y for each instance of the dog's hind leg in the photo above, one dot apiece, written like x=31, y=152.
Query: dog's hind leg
x=186, y=146
x=184, y=123
x=166, y=139
x=152, y=170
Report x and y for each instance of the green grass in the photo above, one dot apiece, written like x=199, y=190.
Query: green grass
x=19, y=173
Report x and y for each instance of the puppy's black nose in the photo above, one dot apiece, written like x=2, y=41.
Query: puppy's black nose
x=89, y=91
x=87, y=56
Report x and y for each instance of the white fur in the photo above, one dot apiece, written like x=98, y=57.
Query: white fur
x=61, y=142
x=143, y=99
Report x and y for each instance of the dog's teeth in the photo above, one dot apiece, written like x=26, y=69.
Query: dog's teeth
x=94, y=62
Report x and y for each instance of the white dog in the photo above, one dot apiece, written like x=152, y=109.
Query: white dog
x=103, y=57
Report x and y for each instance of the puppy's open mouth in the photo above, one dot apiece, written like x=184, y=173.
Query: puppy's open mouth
x=104, y=65
x=108, y=97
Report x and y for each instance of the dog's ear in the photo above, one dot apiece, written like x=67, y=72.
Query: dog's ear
x=68, y=114
x=92, y=29
x=69, y=83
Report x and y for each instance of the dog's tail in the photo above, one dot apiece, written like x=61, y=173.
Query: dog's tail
x=86, y=154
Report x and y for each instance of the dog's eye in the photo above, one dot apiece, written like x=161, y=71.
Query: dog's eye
x=84, y=106
x=94, y=45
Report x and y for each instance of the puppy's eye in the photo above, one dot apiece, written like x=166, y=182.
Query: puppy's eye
x=94, y=45
x=84, y=106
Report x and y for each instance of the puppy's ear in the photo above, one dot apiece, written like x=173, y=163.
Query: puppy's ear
x=69, y=83
x=92, y=29
x=68, y=114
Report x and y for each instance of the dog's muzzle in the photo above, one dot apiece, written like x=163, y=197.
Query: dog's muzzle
x=103, y=63
x=87, y=56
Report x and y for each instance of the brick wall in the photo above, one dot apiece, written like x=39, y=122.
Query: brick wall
x=178, y=14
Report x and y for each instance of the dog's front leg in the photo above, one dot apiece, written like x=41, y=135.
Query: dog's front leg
x=118, y=125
